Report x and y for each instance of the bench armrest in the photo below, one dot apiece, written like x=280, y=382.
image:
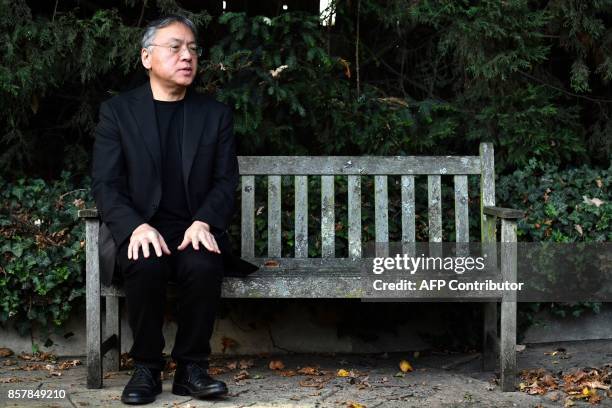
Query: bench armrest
x=501, y=212
x=88, y=213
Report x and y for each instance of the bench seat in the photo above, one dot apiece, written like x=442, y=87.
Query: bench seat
x=312, y=282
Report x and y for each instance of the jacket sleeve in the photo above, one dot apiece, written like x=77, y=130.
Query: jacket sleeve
x=218, y=206
x=109, y=184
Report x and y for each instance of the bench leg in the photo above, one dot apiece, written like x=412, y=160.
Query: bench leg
x=112, y=358
x=92, y=300
x=489, y=339
x=507, y=360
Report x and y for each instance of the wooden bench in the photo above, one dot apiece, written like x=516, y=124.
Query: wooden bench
x=330, y=276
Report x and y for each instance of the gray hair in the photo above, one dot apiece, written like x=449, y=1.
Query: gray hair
x=151, y=29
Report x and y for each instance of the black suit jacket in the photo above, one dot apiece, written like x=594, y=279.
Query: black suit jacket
x=126, y=173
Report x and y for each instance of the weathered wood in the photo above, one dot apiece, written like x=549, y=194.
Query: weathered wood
x=88, y=213
x=328, y=276
x=434, y=207
x=354, y=216
x=112, y=324
x=247, y=245
x=109, y=344
x=488, y=237
x=381, y=215
x=462, y=221
x=408, y=216
x=487, y=192
x=118, y=292
x=501, y=212
x=358, y=165
x=462, y=227
x=408, y=213
x=315, y=282
x=301, y=217
x=341, y=282
x=92, y=300
x=508, y=307
x=274, y=216
x=328, y=224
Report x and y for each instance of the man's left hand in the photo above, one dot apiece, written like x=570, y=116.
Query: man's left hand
x=199, y=232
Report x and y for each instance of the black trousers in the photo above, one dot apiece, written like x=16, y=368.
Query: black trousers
x=198, y=276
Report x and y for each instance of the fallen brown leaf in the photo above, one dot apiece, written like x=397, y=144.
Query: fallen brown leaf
x=276, y=365
x=7, y=380
x=242, y=375
x=309, y=371
x=45, y=356
x=244, y=364
x=170, y=366
x=579, y=384
x=33, y=367
x=111, y=374
x=127, y=362
x=597, y=384
x=316, y=382
x=216, y=370
x=537, y=382
x=68, y=364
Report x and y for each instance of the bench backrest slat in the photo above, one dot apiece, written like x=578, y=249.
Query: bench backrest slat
x=434, y=207
x=328, y=223
x=354, y=216
x=301, y=217
x=381, y=214
x=462, y=230
x=274, y=216
x=408, y=212
x=487, y=191
x=408, y=216
x=248, y=217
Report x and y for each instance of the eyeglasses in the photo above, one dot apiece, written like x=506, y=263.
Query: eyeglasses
x=176, y=49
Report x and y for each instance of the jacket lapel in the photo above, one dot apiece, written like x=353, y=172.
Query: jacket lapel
x=143, y=110
x=193, y=126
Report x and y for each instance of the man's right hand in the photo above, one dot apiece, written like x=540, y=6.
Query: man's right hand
x=144, y=235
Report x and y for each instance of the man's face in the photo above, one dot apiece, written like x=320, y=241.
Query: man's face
x=170, y=60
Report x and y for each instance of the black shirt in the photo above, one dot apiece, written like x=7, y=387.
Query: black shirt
x=172, y=216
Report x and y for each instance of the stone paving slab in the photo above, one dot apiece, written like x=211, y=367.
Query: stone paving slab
x=438, y=380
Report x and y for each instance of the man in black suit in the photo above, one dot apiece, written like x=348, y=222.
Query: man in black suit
x=165, y=173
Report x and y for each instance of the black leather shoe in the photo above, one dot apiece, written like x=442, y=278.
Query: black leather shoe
x=191, y=379
x=142, y=388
